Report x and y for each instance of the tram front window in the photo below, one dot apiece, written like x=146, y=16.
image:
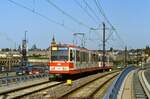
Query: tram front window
x=59, y=55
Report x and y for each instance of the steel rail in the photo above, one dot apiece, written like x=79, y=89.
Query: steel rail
x=24, y=91
x=91, y=95
x=144, y=84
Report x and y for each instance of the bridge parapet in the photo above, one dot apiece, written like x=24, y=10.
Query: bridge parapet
x=114, y=89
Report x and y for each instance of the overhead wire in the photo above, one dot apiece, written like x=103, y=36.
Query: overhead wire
x=71, y=17
x=99, y=7
x=39, y=14
x=109, y=36
x=113, y=28
x=8, y=38
x=68, y=15
x=91, y=9
x=86, y=11
x=101, y=11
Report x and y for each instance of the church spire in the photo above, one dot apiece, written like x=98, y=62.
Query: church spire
x=53, y=41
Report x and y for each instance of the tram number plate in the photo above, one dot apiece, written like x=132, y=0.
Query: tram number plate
x=58, y=68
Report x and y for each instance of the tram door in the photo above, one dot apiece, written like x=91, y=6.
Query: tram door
x=72, y=56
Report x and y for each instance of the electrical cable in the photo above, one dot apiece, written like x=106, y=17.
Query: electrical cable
x=86, y=11
x=39, y=14
x=90, y=8
x=104, y=15
x=68, y=15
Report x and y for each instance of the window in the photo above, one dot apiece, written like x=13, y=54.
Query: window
x=77, y=56
x=61, y=54
x=71, y=55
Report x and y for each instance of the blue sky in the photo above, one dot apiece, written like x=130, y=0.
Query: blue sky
x=131, y=18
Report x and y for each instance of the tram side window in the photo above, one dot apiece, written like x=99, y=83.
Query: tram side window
x=96, y=58
x=89, y=57
x=77, y=56
x=71, y=55
x=93, y=58
x=81, y=56
x=86, y=56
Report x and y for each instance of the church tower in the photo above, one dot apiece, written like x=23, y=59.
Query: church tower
x=53, y=41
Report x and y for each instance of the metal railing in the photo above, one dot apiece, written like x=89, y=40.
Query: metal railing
x=114, y=89
x=18, y=79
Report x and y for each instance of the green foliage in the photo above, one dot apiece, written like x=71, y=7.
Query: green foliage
x=147, y=50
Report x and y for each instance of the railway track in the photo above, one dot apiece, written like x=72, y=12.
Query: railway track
x=146, y=92
x=134, y=86
x=139, y=87
x=63, y=90
x=21, y=92
x=92, y=89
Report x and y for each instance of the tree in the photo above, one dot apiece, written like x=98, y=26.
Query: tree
x=6, y=49
x=147, y=50
x=111, y=49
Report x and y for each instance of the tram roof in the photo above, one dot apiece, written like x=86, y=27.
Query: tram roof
x=69, y=46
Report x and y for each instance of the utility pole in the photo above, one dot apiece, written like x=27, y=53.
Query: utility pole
x=125, y=56
x=104, y=41
x=24, y=59
x=137, y=57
